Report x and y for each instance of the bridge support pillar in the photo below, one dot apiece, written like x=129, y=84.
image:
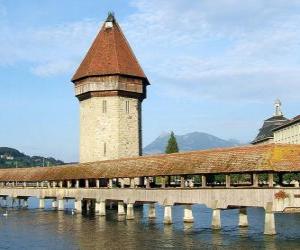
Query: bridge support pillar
x=216, y=219
x=60, y=204
x=78, y=205
x=188, y=214
x=130, y=212
x=25, y=202
x=102, y=208
x=243, y=217
x=168, y=214
x=269, y=223
x=4, y=202
x=54, y=203
x=41, y=203
x=121, y=210
x=151, y=211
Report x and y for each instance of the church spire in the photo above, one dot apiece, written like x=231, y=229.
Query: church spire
x=277, y=106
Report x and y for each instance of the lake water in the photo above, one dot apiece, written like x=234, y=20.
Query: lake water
x=34, y=228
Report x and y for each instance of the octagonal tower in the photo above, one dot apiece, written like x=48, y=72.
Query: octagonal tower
x=110, y=86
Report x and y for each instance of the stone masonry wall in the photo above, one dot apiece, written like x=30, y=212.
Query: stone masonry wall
x=112, y=133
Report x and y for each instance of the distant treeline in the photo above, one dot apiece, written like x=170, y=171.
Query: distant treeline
x=12, y=158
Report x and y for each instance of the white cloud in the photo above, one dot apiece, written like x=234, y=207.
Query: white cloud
x=219, y=49
x=49, y=50
x=215, y=49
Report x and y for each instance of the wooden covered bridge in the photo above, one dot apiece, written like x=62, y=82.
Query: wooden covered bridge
x=181, y=178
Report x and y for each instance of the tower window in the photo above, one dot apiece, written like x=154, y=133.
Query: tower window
x=104, y=149
x=127, y=107
x=104, y=106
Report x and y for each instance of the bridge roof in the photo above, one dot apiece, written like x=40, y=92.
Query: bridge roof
x=246, y=159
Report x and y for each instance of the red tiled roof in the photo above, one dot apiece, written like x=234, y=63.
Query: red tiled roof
x=247, y=159
x=110, y=54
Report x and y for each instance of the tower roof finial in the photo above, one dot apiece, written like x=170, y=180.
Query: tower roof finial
x=110, y=17
x=277, y=105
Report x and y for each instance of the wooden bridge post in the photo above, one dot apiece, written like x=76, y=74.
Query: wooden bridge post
x=270, y=179
x=163, y=182
x=255, y=180
x=132, y=184
x=203, y=181
x=182, y=181
x=227, y=177
x=147, y=180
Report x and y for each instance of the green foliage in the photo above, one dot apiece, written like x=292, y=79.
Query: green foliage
x=21, y=160
x=172, y=146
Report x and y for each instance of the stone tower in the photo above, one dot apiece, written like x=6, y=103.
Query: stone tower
x=110, y=86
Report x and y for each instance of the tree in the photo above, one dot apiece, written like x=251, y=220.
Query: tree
x=172, y=146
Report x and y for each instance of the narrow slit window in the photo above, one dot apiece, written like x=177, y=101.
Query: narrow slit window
x=104, y=106
x=127, y=107
x=104, y=149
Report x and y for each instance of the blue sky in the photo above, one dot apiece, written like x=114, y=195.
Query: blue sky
x=214, y=66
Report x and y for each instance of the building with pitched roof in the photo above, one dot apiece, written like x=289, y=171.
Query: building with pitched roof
x=278, y=129
x=110, y=86
x=265, y=134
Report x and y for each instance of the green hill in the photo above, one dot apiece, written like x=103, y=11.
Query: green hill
x=12, y=158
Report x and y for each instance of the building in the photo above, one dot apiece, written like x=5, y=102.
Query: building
x=265, y=134
x=279, y=129
x=110, y=86
x=289, y=132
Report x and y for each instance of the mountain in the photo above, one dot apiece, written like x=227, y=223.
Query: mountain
x=11, y=158
x=189, y=142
